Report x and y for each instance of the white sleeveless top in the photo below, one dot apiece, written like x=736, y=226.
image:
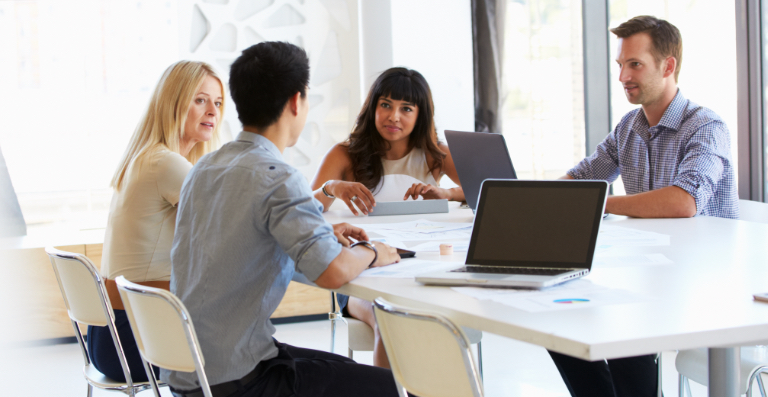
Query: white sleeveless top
x=400, y=174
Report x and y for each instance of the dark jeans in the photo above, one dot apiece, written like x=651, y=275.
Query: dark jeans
x=305, y=372
x=104, y=356
x=622, y=377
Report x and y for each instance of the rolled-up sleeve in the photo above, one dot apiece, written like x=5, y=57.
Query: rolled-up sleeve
x=294, y=219
x=703, y=164
x=603, y=164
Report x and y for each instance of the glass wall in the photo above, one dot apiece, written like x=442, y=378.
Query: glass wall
x=543, y=107
x=75, y=77
x=708, y=71
x=764, y=23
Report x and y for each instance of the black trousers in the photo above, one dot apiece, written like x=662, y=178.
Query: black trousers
x=622, y=377
x=304, y=372
x=101, y=350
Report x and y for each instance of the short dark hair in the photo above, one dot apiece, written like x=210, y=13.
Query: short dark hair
x=666, y=39
x=264, y=77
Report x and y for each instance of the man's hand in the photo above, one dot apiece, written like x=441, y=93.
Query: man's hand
x=387, y=255
x=344, y=230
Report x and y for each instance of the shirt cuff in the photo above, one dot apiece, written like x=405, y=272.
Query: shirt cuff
x=695, y=189
x=319, y=255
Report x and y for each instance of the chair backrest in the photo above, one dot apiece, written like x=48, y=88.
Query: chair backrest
x=163, y=329
x=753, y=211
x=429, y=354
x=81, y=286
x=87, y=300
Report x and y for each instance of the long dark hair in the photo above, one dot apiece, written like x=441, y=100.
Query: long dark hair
x=367, y=147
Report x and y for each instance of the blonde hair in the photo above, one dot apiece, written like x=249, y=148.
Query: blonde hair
x=163, y=124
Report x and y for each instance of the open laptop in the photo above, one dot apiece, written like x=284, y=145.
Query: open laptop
x=530, y=234
x=479, y=156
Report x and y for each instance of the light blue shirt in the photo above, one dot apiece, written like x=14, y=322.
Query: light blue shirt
x=246, y=222
x=690, y=148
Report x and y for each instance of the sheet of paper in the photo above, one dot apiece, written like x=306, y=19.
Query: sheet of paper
x=410, y=268
x=607, y=260
x=419, y=230
x=610, y=235
x=568, y=296
x=392, y=242
x=434, y=246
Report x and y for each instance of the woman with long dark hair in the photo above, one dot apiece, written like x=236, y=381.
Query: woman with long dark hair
x=392, y=154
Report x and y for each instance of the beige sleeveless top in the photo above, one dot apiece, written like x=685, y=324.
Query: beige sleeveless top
x=142, y=219
x=400, y=174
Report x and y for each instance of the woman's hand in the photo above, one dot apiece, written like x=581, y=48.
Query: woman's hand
x=386, y=255
x=427, y=191
x=354, y=194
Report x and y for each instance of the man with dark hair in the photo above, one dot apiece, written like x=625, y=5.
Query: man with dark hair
x=246, y=222
x=674, y=157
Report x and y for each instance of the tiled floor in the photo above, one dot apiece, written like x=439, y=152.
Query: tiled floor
x=511, y=368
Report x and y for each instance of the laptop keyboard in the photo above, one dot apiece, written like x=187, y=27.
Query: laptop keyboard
x=510, y=270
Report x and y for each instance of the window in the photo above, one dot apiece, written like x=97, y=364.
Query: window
x=75, y=78
x=543, y=106
x=708, y=71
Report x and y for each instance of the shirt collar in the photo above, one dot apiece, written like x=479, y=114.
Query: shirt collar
x=672, y=118
x=256, y=139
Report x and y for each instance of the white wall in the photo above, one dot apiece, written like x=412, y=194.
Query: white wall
x=431, y=36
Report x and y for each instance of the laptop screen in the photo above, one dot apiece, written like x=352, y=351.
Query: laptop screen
x=537, y=223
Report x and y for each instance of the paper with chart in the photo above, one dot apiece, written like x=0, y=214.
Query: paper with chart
x=419, y=230
x=577, y=294
x=410, y=268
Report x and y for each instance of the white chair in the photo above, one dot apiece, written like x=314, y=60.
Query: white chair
x=429, y=354
x=163, y=330
x=360, y=336
x=87, y=303
x=753, y=211
x=693, y=364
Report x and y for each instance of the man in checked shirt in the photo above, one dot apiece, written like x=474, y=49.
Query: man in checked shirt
x=674, y=157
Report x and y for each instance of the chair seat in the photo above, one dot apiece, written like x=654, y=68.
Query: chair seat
x=101, y=381
x=361, y=336
x=694, y=364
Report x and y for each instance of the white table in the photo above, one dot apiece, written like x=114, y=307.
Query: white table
x=703, y=300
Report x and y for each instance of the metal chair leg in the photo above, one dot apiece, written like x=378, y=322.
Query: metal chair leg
x=760, y=384
x=89, y=393
x=659, y=392
x=333, y=334
x=480, y=360
x=350, y=354
x=683, y=387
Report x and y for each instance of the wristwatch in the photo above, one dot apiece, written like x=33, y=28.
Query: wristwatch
x=368, y=245
x=325, y=192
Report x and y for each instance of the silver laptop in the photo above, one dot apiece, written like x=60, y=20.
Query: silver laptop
x=479, y=156
x=530, y=234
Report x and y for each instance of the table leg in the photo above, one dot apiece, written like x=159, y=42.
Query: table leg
x=724, y=371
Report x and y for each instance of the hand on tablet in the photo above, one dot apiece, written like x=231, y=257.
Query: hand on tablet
x=427, y=191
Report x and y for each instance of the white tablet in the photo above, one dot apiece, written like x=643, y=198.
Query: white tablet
x=409, y=207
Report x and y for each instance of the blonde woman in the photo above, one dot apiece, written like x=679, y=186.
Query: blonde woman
x=181, y=125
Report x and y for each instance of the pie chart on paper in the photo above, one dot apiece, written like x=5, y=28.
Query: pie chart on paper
x=571, y=301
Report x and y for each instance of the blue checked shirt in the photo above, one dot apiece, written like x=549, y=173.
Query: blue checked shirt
x=689, y=148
